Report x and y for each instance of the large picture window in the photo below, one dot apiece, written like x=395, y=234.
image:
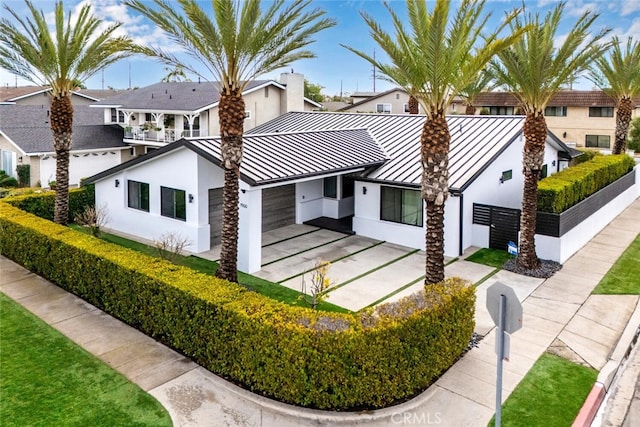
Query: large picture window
x=138, y=195
x=401, y=205
x=555, y=111
x=173, y=203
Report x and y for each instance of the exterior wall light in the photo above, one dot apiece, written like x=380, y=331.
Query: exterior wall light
x=364, y=190
x=117, y=183
x=190, y=198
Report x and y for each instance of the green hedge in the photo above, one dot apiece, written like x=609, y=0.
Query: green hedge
x=41, y=204
x=293, y=354
x=560, y=191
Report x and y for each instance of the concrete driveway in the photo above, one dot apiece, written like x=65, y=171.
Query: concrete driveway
x=363, y=271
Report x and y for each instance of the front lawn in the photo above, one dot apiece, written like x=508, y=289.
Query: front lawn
x=264, y=287
x=48, y=380
x=551, y=394
x=491, y=257
x=624, y=276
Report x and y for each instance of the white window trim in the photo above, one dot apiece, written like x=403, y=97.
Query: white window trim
x=383, y=107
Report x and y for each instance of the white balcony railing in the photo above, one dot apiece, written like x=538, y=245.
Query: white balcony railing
x=138, y=133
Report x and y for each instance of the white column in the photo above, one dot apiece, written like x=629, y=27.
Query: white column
x=250, y=230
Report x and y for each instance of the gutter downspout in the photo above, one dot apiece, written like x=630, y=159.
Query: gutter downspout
x=461, y=219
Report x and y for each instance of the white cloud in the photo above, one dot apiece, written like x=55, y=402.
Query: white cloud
x=629, y=7
x=632, y=31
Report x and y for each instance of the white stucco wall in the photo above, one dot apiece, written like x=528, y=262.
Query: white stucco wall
x=81, y=165
x=309, y=200
x=162, y=172
x=488, y=190
x=367, y=222
x=562, y=248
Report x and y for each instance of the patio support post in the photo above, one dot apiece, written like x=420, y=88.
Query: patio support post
x=250, y=230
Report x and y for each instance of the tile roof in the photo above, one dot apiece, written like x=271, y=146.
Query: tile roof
x=28, y=127
x=271, y=158
x=566, y=98
x=475, y=141
x=177, y=96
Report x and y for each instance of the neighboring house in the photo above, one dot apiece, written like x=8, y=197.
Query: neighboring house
x=155, y=115
x=393, y=101
x=578, y=118
x=26, y=139
x=305, y=165
x=40, y=95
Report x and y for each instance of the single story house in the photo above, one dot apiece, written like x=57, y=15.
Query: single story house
x=26, y=139
x=306, y=165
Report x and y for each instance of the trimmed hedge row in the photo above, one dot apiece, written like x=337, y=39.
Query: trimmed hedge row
x=293, y=354
x=560, y=191
x=42, y=204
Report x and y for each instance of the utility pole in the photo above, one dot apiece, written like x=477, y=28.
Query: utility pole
x=374, y=72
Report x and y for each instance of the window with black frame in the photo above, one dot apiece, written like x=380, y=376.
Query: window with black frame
x=401, y=205
x=173, y=203
x=138, y=195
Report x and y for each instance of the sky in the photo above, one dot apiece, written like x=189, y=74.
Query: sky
x=335, y=68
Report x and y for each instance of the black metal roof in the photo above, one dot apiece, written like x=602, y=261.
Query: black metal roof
x=279, y=157
x=475, y=141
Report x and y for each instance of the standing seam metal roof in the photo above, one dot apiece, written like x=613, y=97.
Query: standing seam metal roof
x=475, y=140
x=269, y=158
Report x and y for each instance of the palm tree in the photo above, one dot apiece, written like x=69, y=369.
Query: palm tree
x=433, y=60
x=61, y=59
x=619, y=76
x=534, y=69
x=482, y=82
x=240, y=43
x=175, y=74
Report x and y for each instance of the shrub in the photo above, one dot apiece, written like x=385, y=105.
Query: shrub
x=170, y=246
x=24, y=175
x=41, y=204
x=7, y=181
x=322, y=360
x=559, y=192
x=94, y=218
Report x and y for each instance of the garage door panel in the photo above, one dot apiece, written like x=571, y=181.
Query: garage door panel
x=278, y=207
x=215, y=215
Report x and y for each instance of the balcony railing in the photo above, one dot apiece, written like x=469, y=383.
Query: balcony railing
x=143, y=134
x=163, y=135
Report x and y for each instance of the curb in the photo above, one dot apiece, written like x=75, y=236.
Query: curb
x=609, y=373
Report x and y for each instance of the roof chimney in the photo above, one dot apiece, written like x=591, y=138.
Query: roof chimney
x=293, y=99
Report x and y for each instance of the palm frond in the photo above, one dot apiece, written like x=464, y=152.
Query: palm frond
x=618, y=73
x=72, y=52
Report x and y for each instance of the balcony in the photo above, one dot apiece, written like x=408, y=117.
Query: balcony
x=166, y=135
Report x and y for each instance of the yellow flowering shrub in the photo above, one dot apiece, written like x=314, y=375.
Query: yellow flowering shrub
x=294, y=354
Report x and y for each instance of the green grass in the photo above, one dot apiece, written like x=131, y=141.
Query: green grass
x=491, y=257
x=264, y=287
x=48, y=380
x=624, y=276
x=551, y=394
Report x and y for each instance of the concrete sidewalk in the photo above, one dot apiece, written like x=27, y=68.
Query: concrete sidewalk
x=560, y=313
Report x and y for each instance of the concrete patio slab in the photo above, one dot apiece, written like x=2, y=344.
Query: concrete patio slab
x=358, y=264
x=295, y=265
x=299, y=244
x=367, y=290
x=467, y=270
x=284, y=233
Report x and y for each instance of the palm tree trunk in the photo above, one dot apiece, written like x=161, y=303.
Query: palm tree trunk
x=623, y=118
x=231, y=115
x=62, y=127
x=434, y=141
x=535, y=135
x=470, y=110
